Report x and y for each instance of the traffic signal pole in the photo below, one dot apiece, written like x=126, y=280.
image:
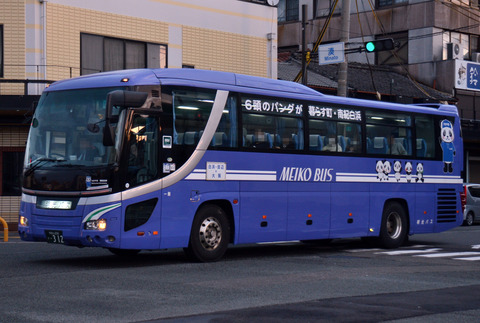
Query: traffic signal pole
x=343, y=67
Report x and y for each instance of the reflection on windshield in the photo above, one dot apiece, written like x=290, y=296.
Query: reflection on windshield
x=66, y=128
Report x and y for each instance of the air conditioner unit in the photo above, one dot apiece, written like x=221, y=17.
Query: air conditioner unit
x=454, y=51
x=475, y=57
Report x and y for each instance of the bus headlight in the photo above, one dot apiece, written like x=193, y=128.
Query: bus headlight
x=23, y=221
x=99, y=225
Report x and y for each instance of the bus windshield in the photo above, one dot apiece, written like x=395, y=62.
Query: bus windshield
x=66, y=130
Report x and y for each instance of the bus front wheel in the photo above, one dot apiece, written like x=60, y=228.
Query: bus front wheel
x=210, y=234
x=393, y=231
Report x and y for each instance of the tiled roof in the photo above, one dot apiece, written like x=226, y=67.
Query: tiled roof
x=362, y=78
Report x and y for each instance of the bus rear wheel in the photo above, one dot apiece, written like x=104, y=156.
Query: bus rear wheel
x=393, y=230
x=210, y=235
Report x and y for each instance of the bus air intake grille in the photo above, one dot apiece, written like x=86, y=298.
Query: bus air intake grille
x=446, y=205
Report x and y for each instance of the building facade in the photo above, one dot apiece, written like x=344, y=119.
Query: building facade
x=42, y=41
x=437, y=44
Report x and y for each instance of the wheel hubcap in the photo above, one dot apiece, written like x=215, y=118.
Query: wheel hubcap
x=394, y=225
x=210, y=233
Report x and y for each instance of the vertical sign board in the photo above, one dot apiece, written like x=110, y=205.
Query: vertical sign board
x=331, y=53
x=467, y=75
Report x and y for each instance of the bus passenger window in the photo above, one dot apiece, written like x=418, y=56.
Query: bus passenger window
x=389, y=133
x=425, y=142
x=269, y=123
x=191, y=109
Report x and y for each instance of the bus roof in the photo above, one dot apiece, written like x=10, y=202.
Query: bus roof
x=230, y=82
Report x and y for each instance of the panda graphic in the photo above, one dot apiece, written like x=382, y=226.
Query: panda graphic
x=397, y=168
x=420, y=173
x=446, y=137
x=408, y=171
x=387, y=168
x=380, y=170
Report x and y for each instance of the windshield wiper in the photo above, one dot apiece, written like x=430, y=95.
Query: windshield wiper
x=37, y=163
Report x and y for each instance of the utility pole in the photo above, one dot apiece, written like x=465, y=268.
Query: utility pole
x=304, y=52
x=343, y=67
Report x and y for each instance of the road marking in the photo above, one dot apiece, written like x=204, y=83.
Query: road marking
x=407, y=252
x=468, y=258
x=476, y=246
x=449, y=254
x=364, y=250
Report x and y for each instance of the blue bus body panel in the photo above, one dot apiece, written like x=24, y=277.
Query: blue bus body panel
x=145, y=236
x=346, y=201
x=281, y=196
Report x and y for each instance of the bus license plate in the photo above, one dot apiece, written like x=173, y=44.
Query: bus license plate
x=54, y=236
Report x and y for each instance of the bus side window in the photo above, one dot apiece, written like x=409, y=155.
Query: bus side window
x=143, y=153
x=425, y=142
x=389, y=133
x=191, y=110
x=226, y=134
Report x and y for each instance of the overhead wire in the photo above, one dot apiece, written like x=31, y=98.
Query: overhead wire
x=399, y=61
x=470, y=11
x=366, y=55
x=318, y=42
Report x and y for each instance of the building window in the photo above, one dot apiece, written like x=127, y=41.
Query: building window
x=322, y=8
x=388, y=3
x=101, y=54
x=12, y=166
x=288, y=10
x=1, y=50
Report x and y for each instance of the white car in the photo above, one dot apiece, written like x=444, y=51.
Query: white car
x=472, y=206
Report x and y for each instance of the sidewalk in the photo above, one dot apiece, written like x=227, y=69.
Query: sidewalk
x=12, y=236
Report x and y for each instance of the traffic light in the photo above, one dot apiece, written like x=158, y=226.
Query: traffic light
x=379, y=45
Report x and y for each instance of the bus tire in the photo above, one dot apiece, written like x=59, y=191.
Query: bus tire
x=393, y=230
x=210, y=234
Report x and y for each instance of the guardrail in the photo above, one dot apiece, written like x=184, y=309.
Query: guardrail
x=5, y=229
x=26, y=83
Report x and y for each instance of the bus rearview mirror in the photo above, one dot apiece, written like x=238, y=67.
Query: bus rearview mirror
x=121, y=99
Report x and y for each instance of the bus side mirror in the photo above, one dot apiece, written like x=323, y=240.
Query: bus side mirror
x=121, y=99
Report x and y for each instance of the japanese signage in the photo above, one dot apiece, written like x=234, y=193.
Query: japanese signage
x=216, y=171
x=467, y=75
x=331, y=53
x=272, y=106
x=333, y=113
x=296, y=109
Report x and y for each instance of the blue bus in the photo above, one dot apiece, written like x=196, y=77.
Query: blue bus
x=177, y=158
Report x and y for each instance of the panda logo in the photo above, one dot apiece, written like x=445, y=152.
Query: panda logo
x=408, y=171
x=446, y=137
x=420, y=173
x=397, y=168
x=387, y=168
x=380, y=170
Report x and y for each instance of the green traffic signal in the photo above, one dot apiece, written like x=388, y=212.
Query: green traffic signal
x=370, y=46
x=379, y=45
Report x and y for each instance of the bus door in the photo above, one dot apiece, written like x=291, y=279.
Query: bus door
x=141, y=202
